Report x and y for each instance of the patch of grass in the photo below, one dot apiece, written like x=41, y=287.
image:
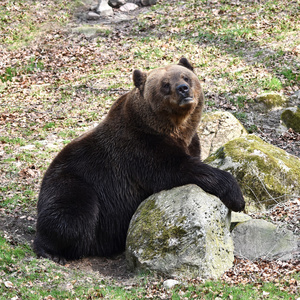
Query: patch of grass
x=242, y=116
x=69, y=134
x=15, y=141
x=239, y=101
x=24, y=276
x=33, y=65
x=9, y=255
x=252, y=128
x=219, y=290
x=30, y=278
x=49, y=125
x=53, y=90
x=271, y=84
x=291, y=77
x=20, y=23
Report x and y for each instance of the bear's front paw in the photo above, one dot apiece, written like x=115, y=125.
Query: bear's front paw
x=234, y=199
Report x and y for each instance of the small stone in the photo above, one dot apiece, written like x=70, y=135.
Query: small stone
x=170, y=283
x=239, y=217
x=92, y=16
x=128, y=7
x=295, y=98
x=8, y=284
x=116, y=3
x=28, y=147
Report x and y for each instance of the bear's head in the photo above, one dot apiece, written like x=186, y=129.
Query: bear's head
x=173, y=91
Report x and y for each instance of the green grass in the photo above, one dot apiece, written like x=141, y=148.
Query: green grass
x=50, y=94
x=31, y=278
x=271, y=84
x=20, y=23
x=15, y=141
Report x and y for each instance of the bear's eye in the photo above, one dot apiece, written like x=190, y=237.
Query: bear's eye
x=166, y=87
x=186, y=79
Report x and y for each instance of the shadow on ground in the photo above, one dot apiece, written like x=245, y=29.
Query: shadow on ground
x=20, y=229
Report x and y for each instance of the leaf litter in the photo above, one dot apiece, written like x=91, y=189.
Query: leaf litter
x=61, y=64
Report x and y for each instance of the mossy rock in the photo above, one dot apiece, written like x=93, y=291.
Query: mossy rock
x=291, y=118
x=181, y=232
x=269, y=101
x=91, y=30
x=266, y=174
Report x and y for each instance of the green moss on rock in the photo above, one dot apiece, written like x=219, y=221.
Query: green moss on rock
x=291, y=119
x=182, y=232
x=271, y=100
x=265, y=173
x=151, y=219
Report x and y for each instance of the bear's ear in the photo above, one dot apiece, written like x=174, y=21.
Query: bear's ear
x=185, y=63
x=139, y=78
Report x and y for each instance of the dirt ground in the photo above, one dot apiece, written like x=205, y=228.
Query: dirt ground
x=21, y=228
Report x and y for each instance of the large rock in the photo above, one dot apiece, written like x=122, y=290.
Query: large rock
x=291, y=118
x=266, y=174
x=183, y=232
x=259, y=239
x=216, y=129
x=270, y=101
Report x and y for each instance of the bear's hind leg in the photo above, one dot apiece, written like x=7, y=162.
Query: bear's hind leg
x=67, y=221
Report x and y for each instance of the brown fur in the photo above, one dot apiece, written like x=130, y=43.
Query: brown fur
x=146, y=144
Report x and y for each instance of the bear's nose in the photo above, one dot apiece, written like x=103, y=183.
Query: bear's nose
x=183, y=90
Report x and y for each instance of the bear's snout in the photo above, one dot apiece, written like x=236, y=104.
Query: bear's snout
x=183, y=90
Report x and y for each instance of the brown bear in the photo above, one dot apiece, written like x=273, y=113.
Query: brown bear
x=147, y=143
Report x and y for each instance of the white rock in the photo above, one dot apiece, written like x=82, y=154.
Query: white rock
x=104, y=9
x=216, y=129
x=116, y=3
x=170, y=283
x=28, y=147
x=237, y=217
x=128, y=7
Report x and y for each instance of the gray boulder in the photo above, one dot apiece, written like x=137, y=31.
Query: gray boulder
x=256, y=239
x=266, y=174
x=291, y=118
x=181, y=232
x=216, y=129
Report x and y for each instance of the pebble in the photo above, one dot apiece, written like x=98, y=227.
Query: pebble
x=170, y=283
